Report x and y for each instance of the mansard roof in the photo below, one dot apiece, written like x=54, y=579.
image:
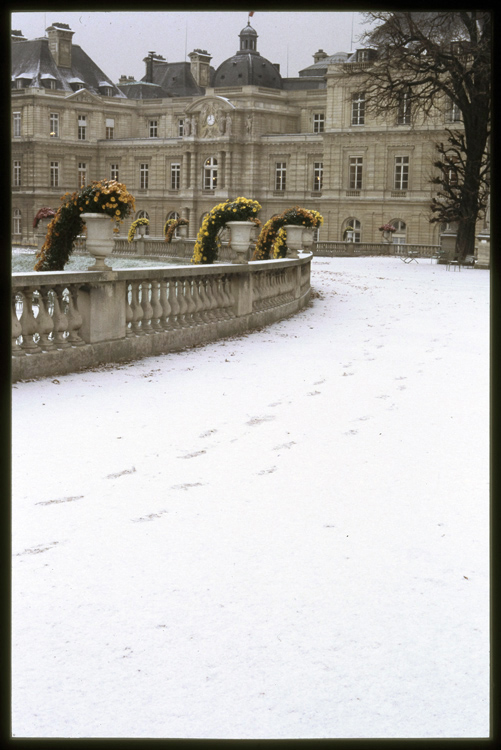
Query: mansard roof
x=174, y=79
x=33, y=62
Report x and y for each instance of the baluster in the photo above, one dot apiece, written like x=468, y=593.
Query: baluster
x=225, y=298
x=212, y=297
x=137, y=310
x=128, y=312
x=28, y=322
x=156, y=306
x=17, y=330
x=221, y=301
x=164, y=302
x=147, y=308
x=231, y=298
x=60, y=318
x=183, y=306
x=75, y=319
x=45, y=322
x=174, y=304
x=257, y=281
x=190, y=302
x=206, y=311
x=197, y=315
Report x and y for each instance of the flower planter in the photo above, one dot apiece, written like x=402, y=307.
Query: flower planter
x=308, y=237
x=182, y=231
x=294, y=239
x=140, y=231
x=388, y=236
x=100, y=240
x=241, y=232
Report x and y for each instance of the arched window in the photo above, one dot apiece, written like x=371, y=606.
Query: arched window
x=16, y=221
x=400, y=236
x=173, y=215
x=352, y=230
x=210, y=173
x=144, y=215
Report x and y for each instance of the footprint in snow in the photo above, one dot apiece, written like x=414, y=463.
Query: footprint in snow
x=121, y=473
x=37, y=550
x=60, y=500
x=285, y=445
x=259, y=420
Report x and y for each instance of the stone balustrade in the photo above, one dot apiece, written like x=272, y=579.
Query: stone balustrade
x=67, y=321
x=333, y=249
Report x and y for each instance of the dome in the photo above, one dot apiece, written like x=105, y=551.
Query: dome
x=247, y=67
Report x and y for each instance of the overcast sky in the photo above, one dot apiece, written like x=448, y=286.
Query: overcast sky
x=119, y=41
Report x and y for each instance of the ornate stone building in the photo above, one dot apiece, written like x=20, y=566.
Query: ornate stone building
x=187, y=136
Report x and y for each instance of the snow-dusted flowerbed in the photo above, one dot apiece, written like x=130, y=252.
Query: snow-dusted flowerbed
x=281, y=535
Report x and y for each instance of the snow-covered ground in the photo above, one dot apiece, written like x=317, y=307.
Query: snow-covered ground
x=280, y=535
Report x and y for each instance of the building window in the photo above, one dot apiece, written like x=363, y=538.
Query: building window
x=175, y=176
x=144, y=215
x=16, y=173
x=16, y=221
x=399, y=237
x=153, y=129
x=404, y=109
x=82, y=174
x=453, y=112
x=54, y=125
x=318, y=175
x=280, y=175
x=356, y=163
x=114, y=172
x=352, y=230
x=401, y=172
x=16, y=125
x=54, y=174
x=358, y=109
x=210, y=173
x=180, y=126
x=143, y=176
x=110, y=129
x=173, y=215
x=318, y=122
x=82, y=127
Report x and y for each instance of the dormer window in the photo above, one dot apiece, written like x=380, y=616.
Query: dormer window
x=105, y=89
x=22, y=82
x=48, y=81
x=76, y=84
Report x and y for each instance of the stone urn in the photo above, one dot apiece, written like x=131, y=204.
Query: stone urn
x=100, y=240
x=294, y=239
x=182, y=231
x=241, y=232
x=308, y=234
x=388, y=236
x=140, y=231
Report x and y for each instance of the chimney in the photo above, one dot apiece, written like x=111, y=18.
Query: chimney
x=149, y=66
x=320, y=55
x=17, y=36
x=60, y=35
x=200, y=66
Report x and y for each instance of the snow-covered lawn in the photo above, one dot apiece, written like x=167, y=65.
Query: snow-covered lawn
x=280, y=535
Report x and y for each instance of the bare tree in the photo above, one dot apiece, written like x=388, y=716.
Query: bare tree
x=430, y=60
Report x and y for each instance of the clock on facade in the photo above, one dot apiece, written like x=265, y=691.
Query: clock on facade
x=211, y=119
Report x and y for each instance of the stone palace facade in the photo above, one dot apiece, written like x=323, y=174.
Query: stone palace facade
x=188, y=136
